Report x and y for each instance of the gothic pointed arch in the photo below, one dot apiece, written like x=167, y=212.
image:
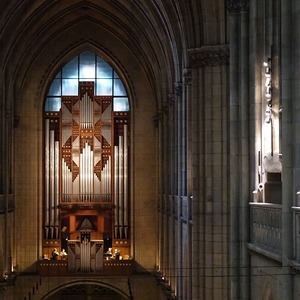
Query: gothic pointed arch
x=88, y=290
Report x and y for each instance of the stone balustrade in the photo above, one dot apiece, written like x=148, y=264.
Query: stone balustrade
x=266, y=226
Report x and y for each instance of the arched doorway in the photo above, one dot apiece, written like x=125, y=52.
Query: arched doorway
x=86, y=292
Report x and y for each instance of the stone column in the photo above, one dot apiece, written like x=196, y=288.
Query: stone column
x=244, y=150
x=210, y=144
x=7, y=239
x=234, y=155
x=290, y=149
x=187, y=228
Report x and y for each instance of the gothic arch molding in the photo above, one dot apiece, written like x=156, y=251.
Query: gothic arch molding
x=139, y=40
x=88, y=286
x=74, y=49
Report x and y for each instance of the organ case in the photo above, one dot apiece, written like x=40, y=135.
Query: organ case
x=86, y=168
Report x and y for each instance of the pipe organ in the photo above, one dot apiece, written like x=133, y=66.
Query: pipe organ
x=120, y=187
x=52, y=171
x=86, y=169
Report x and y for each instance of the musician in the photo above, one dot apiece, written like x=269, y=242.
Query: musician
x=63, y=254
x=55, y=254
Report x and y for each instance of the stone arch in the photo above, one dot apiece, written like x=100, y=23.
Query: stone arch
x=87, y=289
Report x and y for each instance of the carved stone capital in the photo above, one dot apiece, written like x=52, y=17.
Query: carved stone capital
x=171, y=99
x=244, y=5
x=209, y=56
x=187, y=75
x=237, y=6
x=178, y=89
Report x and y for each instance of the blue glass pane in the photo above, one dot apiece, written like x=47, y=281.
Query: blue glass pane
x=116, y=74
x=121, y=104
x=104, y=70
x=104, y=87
x=87, y=65
x=55, y=88
x=70, y=70
x=58, y=75
x=69, y=87
x=53, y=104
x=119, y=89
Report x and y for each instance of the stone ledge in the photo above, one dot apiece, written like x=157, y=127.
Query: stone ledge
x=271, y=255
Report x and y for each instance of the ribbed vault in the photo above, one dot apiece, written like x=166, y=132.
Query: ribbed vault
x=155, y=32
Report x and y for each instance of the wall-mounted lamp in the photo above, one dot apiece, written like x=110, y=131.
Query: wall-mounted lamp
x=267, y=62
x=268, y=88
x=268, y=114
x=298, y=198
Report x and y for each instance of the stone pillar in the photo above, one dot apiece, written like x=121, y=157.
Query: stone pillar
x=189, y=134
x=181, y=137
x=8, y=162
x=234, y=156
x=244, y=182
x=187, y=265
x=210, y=142
x=290, y=132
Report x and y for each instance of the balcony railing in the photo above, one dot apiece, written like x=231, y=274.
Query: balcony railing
x=296, y=211
x=110, y=267
x=266, y=226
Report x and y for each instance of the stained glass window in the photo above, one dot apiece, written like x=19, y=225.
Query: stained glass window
x=87, y=66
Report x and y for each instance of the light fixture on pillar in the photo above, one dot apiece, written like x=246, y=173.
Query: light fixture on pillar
x=268, y=114
x=298, y=198
x=268, y=88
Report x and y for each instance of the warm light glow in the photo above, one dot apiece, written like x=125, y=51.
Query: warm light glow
x=267, y=137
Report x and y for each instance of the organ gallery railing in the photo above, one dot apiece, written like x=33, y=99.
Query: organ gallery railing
x=266, y=226
x=296, y=211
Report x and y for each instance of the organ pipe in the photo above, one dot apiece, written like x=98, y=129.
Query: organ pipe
x=121, y=182
x=56, y=196
x=51, y=221
x=116, y=190
x=108, y=179
x=121, y=194
x=63, y=185
x=86, y=112
x=47, y=158
x=125, y=175
x=86, y=173
x=66, y=181
x=85, y=255
x=52, y=181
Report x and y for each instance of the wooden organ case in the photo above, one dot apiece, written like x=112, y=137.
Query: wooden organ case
x=86, y=180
